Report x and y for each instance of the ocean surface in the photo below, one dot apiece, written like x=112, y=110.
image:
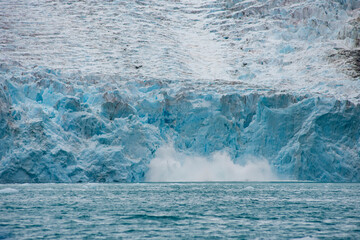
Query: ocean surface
x=159, y=90
x=247, y=210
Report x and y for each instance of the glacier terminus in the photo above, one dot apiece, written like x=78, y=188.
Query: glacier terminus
x=134, y=91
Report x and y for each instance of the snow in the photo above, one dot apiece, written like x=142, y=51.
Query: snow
x=94, y=92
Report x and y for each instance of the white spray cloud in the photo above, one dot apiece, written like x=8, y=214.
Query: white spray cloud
x=172, y=166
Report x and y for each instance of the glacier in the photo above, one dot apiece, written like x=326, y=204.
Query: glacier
x=97, y=92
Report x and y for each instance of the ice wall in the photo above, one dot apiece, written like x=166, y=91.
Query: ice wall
x=57, y=130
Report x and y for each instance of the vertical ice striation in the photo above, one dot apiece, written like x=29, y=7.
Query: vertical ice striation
x=94, y=92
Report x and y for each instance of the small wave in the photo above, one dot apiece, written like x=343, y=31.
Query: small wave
x=154, y=217
x=307, y=238
x=8, y=190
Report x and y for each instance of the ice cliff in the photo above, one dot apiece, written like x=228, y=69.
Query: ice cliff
x=91, y=92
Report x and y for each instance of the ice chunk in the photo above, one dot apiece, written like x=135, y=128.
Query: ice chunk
x=68, y=104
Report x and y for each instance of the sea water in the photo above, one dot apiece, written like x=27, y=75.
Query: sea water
x=246, y=210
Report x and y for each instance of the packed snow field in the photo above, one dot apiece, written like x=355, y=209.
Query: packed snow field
x=131, y=91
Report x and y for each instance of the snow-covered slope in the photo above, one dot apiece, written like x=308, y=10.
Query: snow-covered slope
x=89, y=91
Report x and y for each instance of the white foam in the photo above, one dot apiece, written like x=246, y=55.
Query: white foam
x=172, y=166
x=307, y=238
x=8, y=190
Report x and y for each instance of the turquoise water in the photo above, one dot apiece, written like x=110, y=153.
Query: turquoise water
x=180, y=211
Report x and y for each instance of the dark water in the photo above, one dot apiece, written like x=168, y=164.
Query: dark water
x=180, y=211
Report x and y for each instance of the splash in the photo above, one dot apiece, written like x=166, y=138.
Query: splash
x=172, y=166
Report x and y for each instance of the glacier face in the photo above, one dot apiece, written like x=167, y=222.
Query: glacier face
x=91, y=93
x=58, y=132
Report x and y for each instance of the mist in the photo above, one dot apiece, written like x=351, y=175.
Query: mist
x=172, y=166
